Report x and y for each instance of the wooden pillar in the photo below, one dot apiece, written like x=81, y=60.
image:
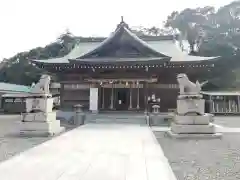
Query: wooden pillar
x=130, y=97
x=138, y=107
x=146, y=97
x=103, y=99
x=62, y=95
x=238, y=100
x=229, y=104
x=210, y=104
x=225, y=104
x=111, y=105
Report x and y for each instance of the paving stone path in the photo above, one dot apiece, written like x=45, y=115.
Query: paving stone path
x=93, y=152
x=190, y=159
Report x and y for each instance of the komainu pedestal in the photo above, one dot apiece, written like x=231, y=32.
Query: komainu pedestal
x=41, y=123
x=190, y=119
x=39, y=119
x=188, y=105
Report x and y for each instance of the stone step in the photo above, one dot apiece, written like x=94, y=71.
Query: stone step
x=123, y=119
x=117, y=119
x=100, y=116
x=192, y=129
x=104, y=118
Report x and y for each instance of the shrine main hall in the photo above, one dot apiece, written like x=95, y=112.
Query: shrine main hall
x=125, y=72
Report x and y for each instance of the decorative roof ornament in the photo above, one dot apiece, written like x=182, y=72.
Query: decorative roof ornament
x=122, y=24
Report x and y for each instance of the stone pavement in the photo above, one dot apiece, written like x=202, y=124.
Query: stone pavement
x=93, y=152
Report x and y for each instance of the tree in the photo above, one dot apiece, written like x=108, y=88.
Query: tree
x=212, y=33
x=19, y=70
x=191, y=24
x=152, y=31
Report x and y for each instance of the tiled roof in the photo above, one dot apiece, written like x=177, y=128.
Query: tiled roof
x=173, y=49
x=154, y=46
x=168, y=47
x=76, y=52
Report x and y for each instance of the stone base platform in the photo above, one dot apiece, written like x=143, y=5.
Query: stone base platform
x=194, y=120
x=192, y=128
x=193, y=136
x=186, y=106
x=41, y=133
x=40, y=124
x=39, y=117
x=206, y=131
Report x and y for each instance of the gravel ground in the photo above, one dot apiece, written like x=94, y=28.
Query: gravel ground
x=11, y=144
x=213, y=159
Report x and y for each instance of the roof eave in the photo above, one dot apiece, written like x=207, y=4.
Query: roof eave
x=153, y=61
x=203, y=60
x=40, y=62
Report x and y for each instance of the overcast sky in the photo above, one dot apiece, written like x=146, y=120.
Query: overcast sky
x=26, y=24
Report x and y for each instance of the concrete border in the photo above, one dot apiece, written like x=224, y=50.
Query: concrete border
x=165, y=160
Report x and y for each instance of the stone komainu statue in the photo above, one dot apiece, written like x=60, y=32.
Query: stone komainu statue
x=187, y=87
x=42, y=86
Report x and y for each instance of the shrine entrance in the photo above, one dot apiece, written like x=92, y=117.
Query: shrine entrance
x=122, y=99
x=122, y=94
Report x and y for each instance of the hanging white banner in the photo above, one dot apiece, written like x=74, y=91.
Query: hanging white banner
x=93, y=99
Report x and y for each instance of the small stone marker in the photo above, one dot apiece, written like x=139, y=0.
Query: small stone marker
x=79, y=116
x=156, y=109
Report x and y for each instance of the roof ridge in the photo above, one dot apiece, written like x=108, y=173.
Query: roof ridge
x=143, y=42
x=144, y=38
x=119, y=32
